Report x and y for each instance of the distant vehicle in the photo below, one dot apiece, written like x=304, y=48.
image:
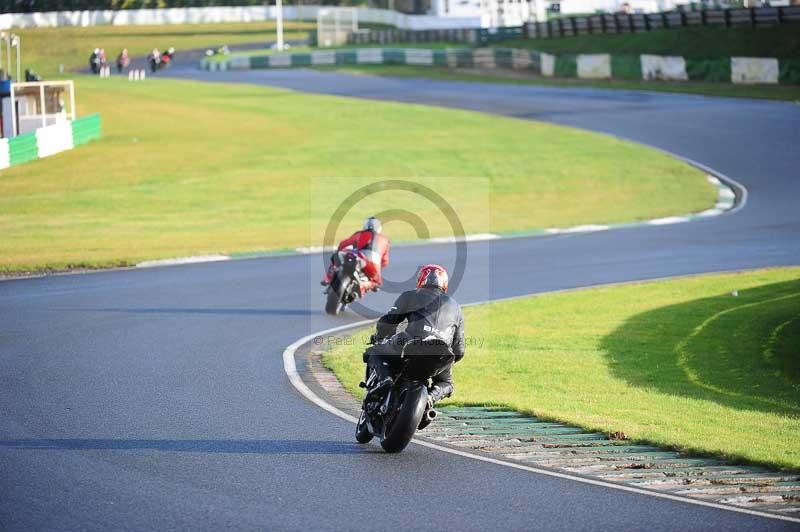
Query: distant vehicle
x=347, y=280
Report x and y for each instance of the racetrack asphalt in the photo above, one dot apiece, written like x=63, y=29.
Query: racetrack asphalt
x=156, y=399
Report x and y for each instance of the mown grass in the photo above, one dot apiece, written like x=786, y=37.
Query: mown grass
x=190, y=168
x=729, y=90
x=44, y=49
x=680, y=363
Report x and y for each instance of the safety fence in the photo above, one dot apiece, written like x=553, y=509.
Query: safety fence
x=586, y=66
x=48, y=140
x=642, y=22
x=461, y=35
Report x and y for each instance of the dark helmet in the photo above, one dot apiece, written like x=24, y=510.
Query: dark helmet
x=432, y=276
x=372, y=224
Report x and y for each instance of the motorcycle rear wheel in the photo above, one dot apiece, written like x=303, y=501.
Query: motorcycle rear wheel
x=402, y=427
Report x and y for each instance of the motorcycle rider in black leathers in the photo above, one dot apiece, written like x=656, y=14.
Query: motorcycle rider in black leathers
x=434, y=335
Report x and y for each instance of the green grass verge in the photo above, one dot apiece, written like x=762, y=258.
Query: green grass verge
x=704, y=43
x=186, y=168
x=44, y=49
x=190, y=168
x=680, y=363
x=770, y=92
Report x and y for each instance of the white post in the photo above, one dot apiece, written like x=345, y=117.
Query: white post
x=279, y=22
x=8, y=56
x=17, y=43
x=72, y=99
x=43, y=108
x=13, y=111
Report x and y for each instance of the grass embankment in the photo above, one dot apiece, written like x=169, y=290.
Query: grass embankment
x=769, y=92
x=44, y=49
x=703, y=42
x=188, y=168
x=782, y=41
x=680, y=363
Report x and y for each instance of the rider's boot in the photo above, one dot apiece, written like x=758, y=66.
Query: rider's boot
x=327, y=278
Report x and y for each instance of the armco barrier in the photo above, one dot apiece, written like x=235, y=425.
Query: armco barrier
x=49, y=140
x=587, y=66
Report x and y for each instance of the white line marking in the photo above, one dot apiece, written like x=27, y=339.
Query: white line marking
x=182, y=260
x=590, y=228
x=290, y=368
x=710, y=212
x=669, y=220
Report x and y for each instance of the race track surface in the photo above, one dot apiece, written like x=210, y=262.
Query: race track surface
x=156, y=398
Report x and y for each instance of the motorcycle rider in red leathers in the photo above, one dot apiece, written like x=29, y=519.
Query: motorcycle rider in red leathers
x=373, y=247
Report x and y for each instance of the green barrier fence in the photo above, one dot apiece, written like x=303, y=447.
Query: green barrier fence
x=789, y=71
x=22, y=149
x=566, y=66
x=626, y=67
x=86, y=129
x=708, y=69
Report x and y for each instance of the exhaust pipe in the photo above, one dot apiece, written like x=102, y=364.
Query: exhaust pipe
x=430, y=414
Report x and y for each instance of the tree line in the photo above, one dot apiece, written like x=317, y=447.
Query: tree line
x=32, y=6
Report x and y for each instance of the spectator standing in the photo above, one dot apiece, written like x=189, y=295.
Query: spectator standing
x=155, y=59
x=123, y=60
x=94, y=61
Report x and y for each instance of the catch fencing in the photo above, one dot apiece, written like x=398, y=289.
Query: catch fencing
x=614, y=23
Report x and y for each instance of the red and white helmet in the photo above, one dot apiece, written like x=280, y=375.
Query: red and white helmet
x=432, y=275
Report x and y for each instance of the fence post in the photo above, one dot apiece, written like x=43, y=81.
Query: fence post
x=780, y=15
x=603, y=27
x=664, y=20
x=647, y=25
x=560, y=27
x=574, y=25
x=683, y=18
x=703, y=20
x=616, y=23
x=753, y=17
x=727, y=17
x=631, y=25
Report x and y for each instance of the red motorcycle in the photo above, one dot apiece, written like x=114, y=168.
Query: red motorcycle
x=347, y=281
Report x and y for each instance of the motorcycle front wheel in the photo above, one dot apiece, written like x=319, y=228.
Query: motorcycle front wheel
x=363, y=435
x=333, y=304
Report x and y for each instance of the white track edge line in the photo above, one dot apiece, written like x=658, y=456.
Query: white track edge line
x=290, y=369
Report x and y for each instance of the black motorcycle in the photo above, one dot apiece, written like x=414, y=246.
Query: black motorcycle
x=396, y=406
x=346, y=282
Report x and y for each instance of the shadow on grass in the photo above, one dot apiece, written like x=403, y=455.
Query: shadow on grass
x=740, y=352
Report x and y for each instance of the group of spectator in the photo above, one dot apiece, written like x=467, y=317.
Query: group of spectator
x=157, y=60
x=98, y=60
